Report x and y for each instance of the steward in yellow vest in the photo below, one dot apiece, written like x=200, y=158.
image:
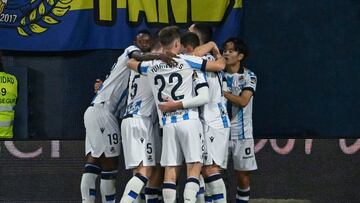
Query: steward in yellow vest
x=8, y=97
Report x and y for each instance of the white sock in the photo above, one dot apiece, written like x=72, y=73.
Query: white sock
x=140, y=198
x=169, y=192
x=151, y=195
x=207, y=194
x=243, y=195
x=108, y=186
x=87, y=185
x=133, y=188
x=216, y=187
x=191, y=189
x=200, y=197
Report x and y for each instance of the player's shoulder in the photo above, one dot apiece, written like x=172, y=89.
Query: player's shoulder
x=249, y=72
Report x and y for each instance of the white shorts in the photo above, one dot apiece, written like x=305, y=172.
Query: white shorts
x=243, y=154
x=182, y=140
x=138, y=142
x=102, y=133
x=217, y=144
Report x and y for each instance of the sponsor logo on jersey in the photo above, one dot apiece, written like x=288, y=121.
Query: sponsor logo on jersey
x=102, y=130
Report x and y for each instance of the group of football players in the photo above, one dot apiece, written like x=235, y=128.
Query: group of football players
x=172, y=98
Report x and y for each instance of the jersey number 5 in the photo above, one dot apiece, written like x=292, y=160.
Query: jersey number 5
x=171, y=80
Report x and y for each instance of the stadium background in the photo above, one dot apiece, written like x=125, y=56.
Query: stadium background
x=326, y=172
x=305, y=54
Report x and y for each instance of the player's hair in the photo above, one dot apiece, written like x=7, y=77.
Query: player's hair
x=155, y=42
x=239, y=46
x=205, y=31
x=168, y=34
x=144, y=31
x=190, y=38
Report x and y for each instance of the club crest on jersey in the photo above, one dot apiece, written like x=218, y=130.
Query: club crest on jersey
x=112, y=149
x=32, y=17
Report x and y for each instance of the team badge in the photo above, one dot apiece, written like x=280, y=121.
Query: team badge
x=112, y=149
x=32, y=17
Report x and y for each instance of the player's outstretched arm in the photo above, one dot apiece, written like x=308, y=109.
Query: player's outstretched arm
x=199, y=100
x=215, y=66
x=133, y=64
x=242, y=100
x=204, y=49
x=167, y=58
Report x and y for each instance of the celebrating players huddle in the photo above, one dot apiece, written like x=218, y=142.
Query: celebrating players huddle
x=175, y=83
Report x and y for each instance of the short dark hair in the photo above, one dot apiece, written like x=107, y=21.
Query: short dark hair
x=239, y=45
x=190, y=38
x=168, y=34
x=205, y=31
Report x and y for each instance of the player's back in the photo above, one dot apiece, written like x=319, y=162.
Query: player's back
x=173, y=83
x=113, y=91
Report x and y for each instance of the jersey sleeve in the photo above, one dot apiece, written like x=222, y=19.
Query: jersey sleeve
x=199, y=80
x=143, y=67
x=130, y=50
x=195, y=62
x=250, y=82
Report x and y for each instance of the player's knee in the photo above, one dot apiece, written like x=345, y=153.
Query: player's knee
x=210, y=170
x=109, y=164
x=243, y=178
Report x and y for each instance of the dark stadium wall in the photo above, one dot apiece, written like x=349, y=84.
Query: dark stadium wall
x=60, y=89
x=322, y=171
x=305, y=55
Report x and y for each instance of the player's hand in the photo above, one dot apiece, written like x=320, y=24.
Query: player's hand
x=170, y=105
x=168, y=58
x=227, y=94
x=97, y=85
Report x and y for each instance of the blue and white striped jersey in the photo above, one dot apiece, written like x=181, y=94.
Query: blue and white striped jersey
x=174, y=83
x=140, y=98
x=214, y=113
x=241, y=121
x=113, y=91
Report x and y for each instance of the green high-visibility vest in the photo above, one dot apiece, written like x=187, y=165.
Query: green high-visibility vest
x=8, y=96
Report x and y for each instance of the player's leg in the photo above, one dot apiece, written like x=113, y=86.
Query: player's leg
x=108, y=178
x=153, y=190
x=88, y=179
x=93, y=150
x=217, y=143
x=190, y=135
x=243, y=186
x=139, y=154
x=244, y=163
x=172, y=159
x=200, y=196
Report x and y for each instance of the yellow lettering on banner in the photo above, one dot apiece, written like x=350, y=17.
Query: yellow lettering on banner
x=89, y=4
x=163, y=11
x=208, y=10
x=238, y=4
x=148, y=6
x=121, y=3
x=105, y=10
x=83, y=4
x=179, y=9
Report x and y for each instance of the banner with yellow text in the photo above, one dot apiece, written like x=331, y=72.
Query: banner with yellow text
x=60, y=25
